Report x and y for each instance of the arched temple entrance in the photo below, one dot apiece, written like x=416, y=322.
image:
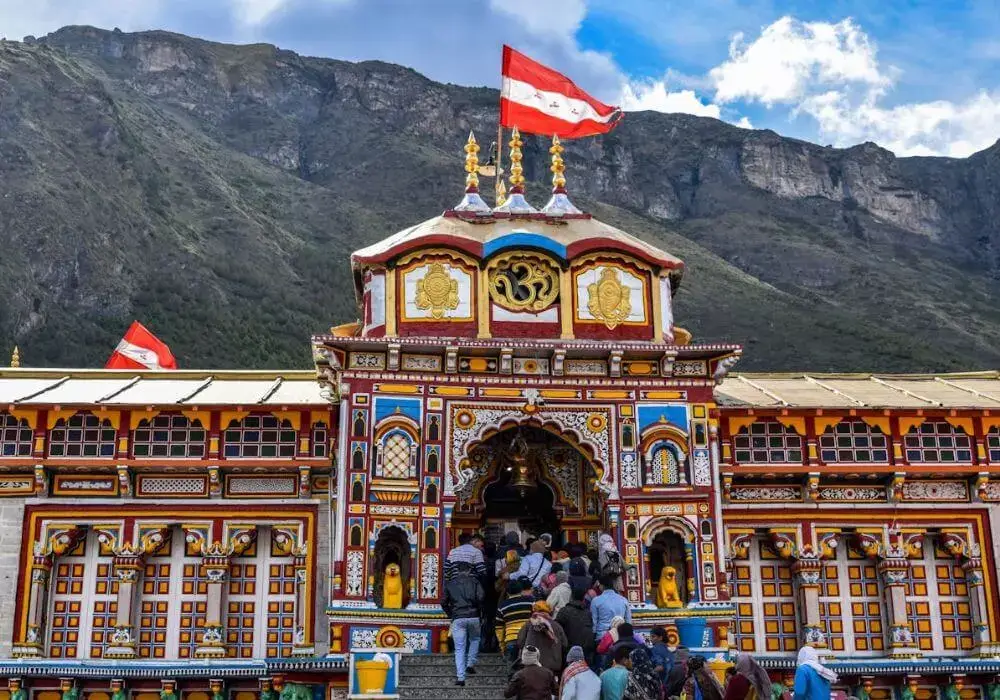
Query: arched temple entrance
x=530, y=480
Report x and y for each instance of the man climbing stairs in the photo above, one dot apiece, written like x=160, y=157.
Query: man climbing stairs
x=432, y=677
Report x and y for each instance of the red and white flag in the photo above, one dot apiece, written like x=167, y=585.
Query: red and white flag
x=539, y=100
x=140, y=349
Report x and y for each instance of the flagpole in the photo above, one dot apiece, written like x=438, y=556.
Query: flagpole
x=499, y=173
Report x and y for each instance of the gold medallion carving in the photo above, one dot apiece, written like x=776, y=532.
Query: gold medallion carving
x=519, y=282
x=608, y=299
x=437, y=291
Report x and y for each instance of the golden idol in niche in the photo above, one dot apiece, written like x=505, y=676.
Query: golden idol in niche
x=608, y=299
x=437, y=291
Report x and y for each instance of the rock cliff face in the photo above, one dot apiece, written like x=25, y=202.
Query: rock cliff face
x=215, y=192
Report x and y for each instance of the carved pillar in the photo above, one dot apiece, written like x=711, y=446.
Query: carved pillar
x=215, y=561
x=806, y=570
x=127, y=563
x=303, y=637
x=58, y=543
x=894, y=568
x=690, y=573
x=986, y=644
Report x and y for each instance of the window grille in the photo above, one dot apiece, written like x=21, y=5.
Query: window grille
x=15, y=436
x=937, y=441
x=82, y=435
x=169, y=435
x=768, y=442
x=853, y=441
x=259, y=436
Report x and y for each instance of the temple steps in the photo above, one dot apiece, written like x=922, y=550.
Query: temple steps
x=432, y=677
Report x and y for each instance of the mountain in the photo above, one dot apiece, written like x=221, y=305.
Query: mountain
x=216, y=191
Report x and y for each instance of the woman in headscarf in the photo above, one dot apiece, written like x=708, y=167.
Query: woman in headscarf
x=547, y=635
x=643, y=683
x=812, y=679
x=678, y=672
x=701, y=680
x=578, y=681
x=561, y=593
x=750, y=682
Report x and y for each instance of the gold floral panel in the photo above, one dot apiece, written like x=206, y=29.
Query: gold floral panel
x=523, y=282
x=436, y=289
x=611, y=294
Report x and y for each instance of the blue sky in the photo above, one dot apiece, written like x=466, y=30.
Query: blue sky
x=917, y=77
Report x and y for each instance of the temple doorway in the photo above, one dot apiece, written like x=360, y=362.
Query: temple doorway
x=531, y=481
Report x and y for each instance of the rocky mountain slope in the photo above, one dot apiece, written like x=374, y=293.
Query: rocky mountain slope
x=215, y=192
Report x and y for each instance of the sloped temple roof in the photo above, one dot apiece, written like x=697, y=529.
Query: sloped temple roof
x=905, y=391
x=24, y=387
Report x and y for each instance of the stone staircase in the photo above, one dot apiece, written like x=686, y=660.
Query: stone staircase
x=432, y=677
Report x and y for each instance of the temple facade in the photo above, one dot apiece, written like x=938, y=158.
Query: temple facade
x=225, y=534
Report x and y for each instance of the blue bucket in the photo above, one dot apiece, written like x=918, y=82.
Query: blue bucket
x=691, y=630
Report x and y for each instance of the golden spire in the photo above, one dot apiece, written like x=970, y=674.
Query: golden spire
x=559, y=204
x=472, y=164
x=516, y=171
x=558, y=167
x=15, y=357
x=472, y=202
x=501, y=193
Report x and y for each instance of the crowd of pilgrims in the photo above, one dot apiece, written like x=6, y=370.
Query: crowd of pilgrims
x=566, y=631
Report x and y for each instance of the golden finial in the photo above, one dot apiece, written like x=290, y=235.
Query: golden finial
x=501, y=193
x=15, y=357
x=472, y=164
x=516, y=171
x=558, y=167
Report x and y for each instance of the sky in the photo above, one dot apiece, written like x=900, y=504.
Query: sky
x=919, y=77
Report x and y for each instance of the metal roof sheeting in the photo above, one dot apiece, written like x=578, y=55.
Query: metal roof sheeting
x=32, y=387
x=970, y=390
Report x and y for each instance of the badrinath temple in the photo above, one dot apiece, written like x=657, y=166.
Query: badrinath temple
x=225, y=535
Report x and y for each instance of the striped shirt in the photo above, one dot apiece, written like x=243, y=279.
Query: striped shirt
x=512, y=615
x=465, y=554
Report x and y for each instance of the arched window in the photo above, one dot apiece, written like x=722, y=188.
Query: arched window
x=358, y=491
x=15, y=436
x=768, y=442
x=396, y=455
x=169, y=435
x=993, y=442
x=259, y=436
x=434, y=429
x=356, y=534
x=430, y=538
x=432, y=494
x=853, y=441
x=359, y=430
x=82, y=435
x=937, y=441
x=432, y=462
x=937, y=602
x=358, y=458
x=662, y=468
x=628, y=436
x=320, y=440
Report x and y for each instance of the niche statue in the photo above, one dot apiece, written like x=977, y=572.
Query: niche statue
x=392, y=587
x=667, y=593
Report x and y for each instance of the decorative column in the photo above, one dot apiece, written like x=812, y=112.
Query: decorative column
x=303, y=639
x=690, y=572
x=806, y=570
x=57, y=543
x=894, y=568
x=127, y=563
x=215, y=561
x=986, y=645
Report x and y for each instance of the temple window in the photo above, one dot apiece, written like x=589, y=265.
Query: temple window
x=169, y=435
x=259, y=436
x=320, y=440
x=764, y=597
x=83, y=603
x=938, y=604
x=768, y=442
x=260, y=607
x=431, y=496
x=358, y=458
x=432, y=462
x=937, y=441
x=853, y=441
x=359, y=430
x=358, y=491
x=15, y=436
x=663, y=464
x=993, y=443
x=434, y=429
x=396, y=455
x=82, y=435
x=850, y=603
x=171, y=605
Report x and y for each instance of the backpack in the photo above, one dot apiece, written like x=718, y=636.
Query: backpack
x=613, y=566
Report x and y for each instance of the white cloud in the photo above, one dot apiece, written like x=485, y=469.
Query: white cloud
x=790, y=58
x=253, y=13
x=39, y=17
x=655, y=96
x=560, y=18
x=831, y=73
